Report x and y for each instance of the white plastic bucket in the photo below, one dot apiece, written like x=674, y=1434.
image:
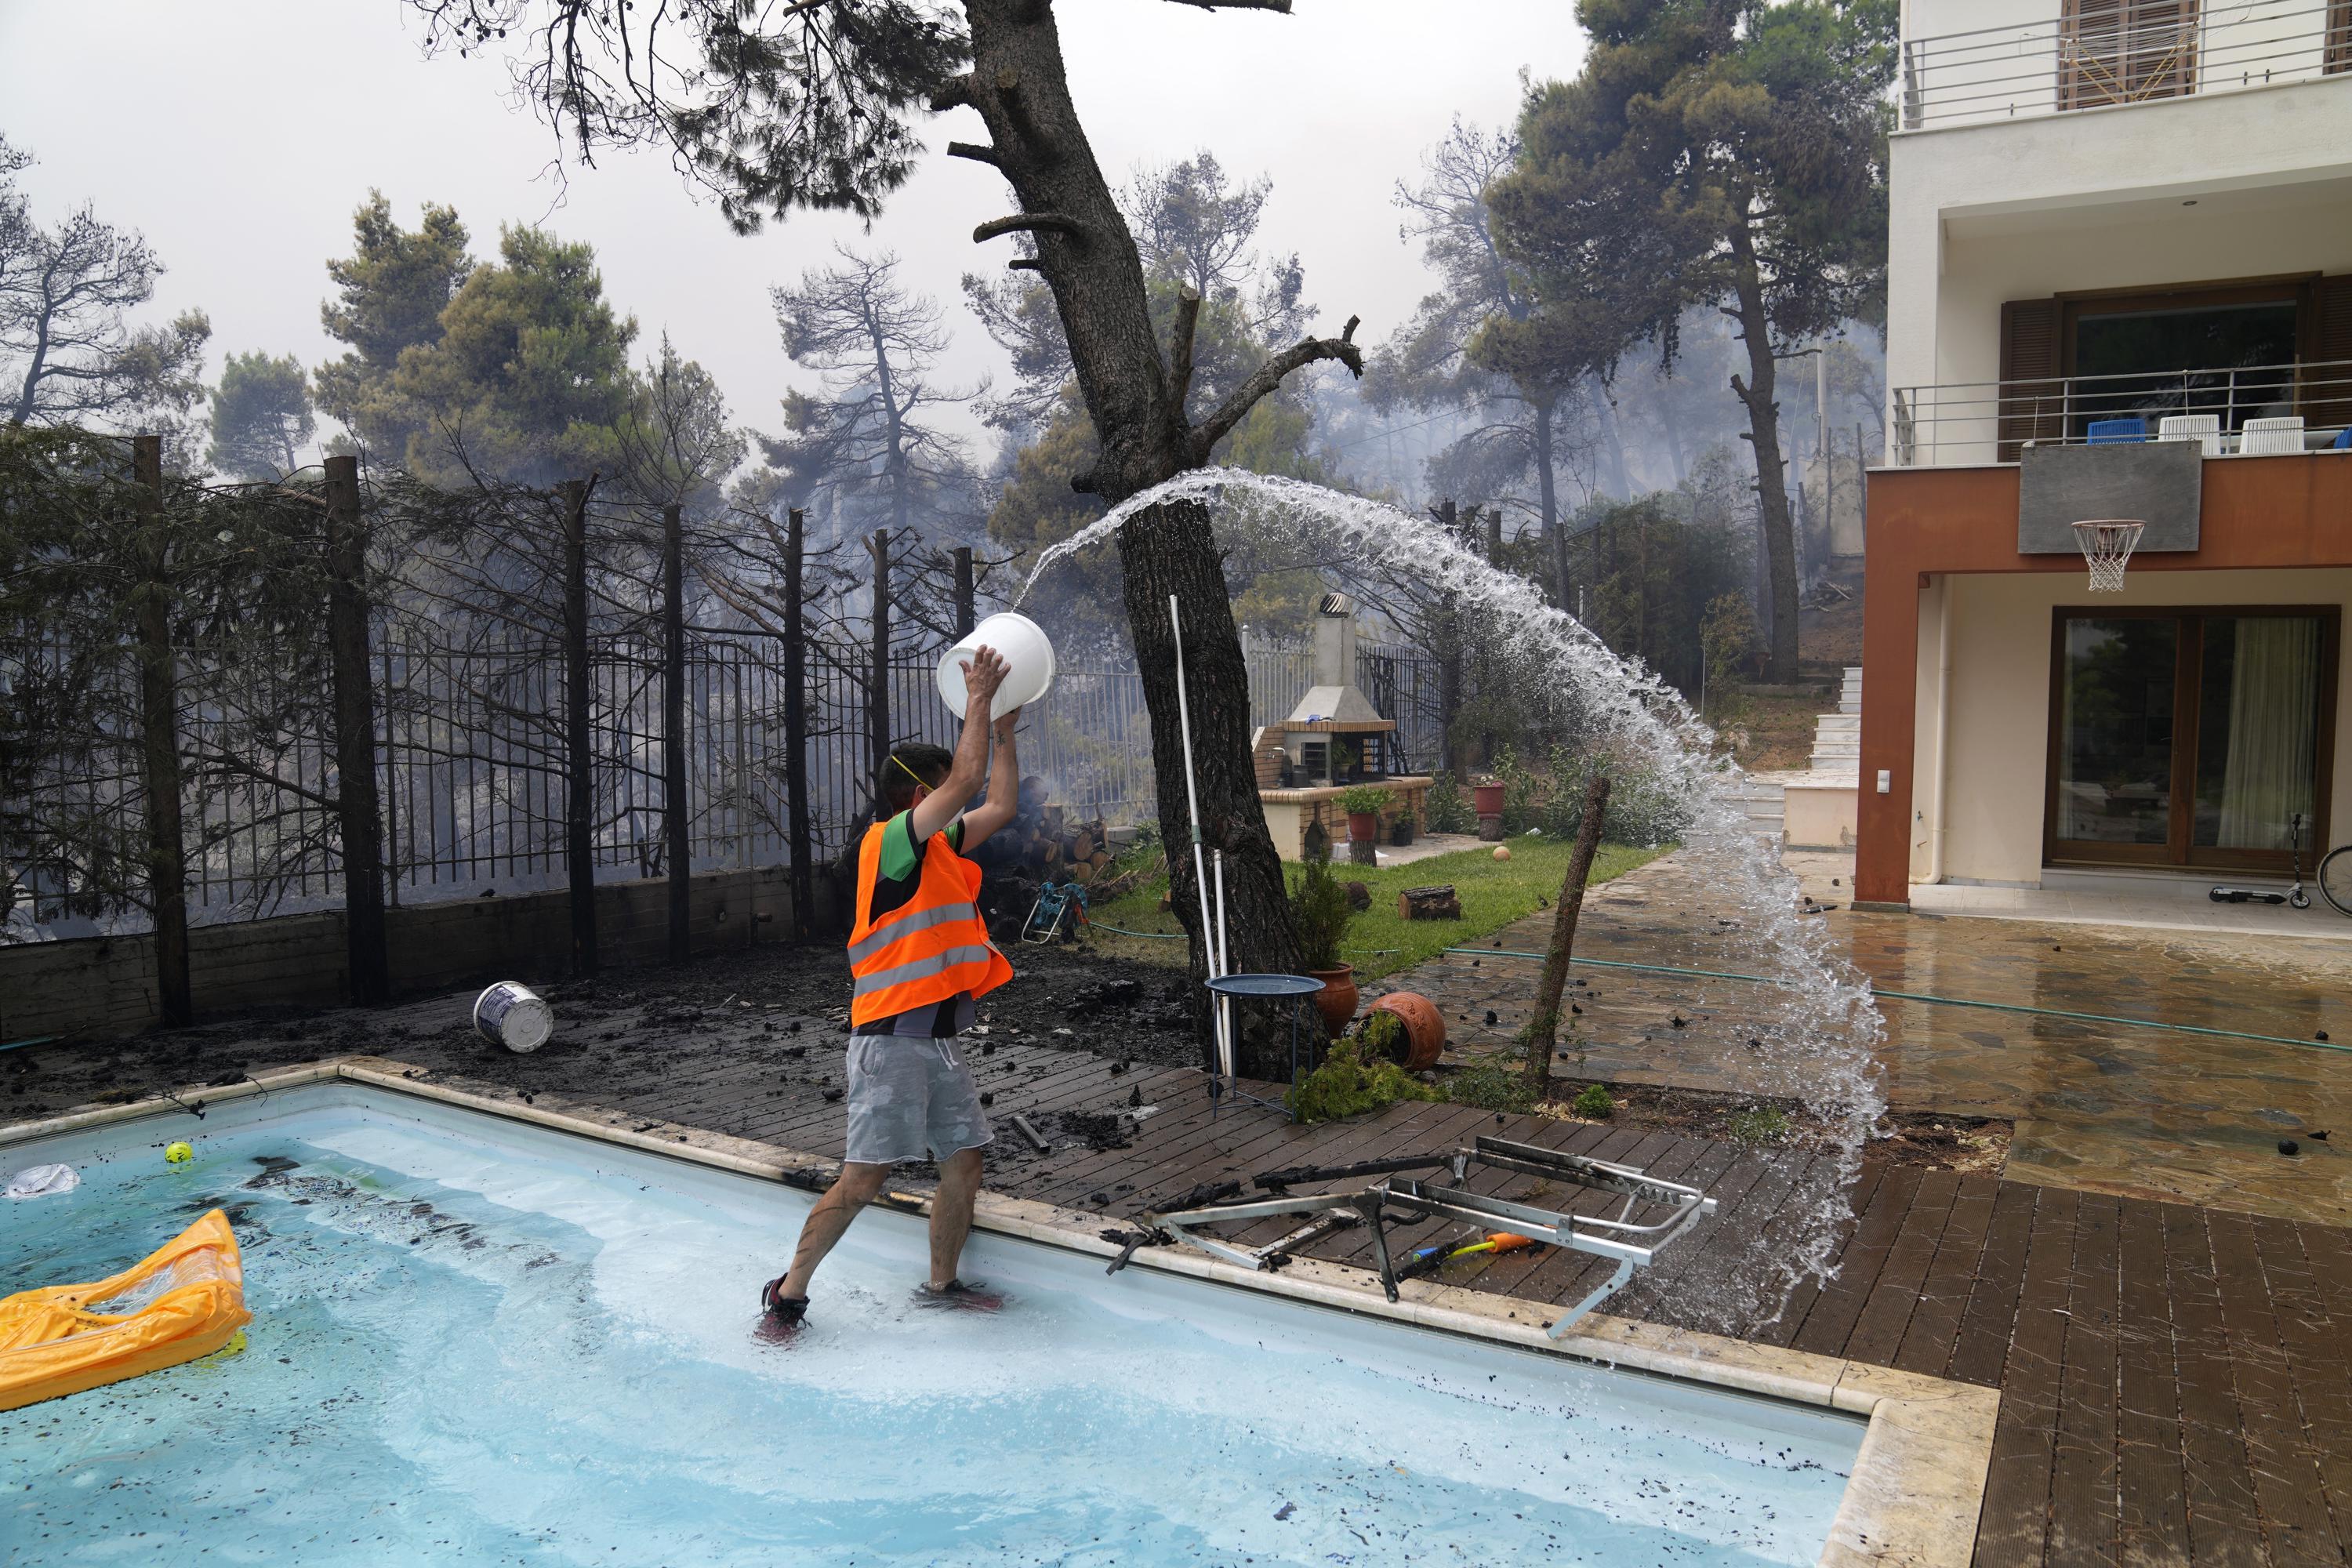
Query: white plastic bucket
x=513, y=1015
x=1022, y=645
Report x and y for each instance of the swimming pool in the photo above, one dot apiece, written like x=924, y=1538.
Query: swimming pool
x=479, y=1341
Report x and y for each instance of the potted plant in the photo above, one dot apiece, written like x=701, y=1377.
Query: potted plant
x=1363, y=805
x=1487, y=791
x=1343, y=762
x=1320, y=911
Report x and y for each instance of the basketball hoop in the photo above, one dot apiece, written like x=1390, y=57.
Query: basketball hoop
x=2107, y=544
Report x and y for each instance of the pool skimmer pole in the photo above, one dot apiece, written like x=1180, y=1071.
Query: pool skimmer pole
x=1211, y=928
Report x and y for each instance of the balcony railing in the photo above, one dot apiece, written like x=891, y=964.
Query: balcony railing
x=2120, y=52
x=2243, y=410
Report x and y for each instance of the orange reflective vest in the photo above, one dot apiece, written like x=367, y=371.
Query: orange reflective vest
x=930, y=947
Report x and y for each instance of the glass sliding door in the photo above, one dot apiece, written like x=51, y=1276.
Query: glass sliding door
x=2257, y=729
x=2189, y=737
x=2115, y=752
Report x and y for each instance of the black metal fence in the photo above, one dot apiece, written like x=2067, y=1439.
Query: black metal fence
x=472, y=768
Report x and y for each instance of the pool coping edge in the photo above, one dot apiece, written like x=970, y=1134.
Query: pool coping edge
x=1918, y=1479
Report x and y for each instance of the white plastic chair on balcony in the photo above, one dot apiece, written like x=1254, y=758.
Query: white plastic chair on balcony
x=2272, y=438
x=2203, y=428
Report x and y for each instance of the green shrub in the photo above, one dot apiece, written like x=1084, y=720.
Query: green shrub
x=1593, y=1103
x=1369, y=800
x=1447, y=806
x=1348, y=1084
x=1758, y=1124
x=1519, y=793
x=1490, y=1085
x=1320, y=911
x=1384, y=1036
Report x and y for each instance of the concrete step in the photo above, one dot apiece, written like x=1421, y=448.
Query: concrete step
x=1837, y=724
x=1826, y=746
x=1763, y=805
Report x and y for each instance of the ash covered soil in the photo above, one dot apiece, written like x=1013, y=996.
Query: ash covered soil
x=627, y=1031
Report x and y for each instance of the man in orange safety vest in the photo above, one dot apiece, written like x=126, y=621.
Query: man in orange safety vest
x=919, y=954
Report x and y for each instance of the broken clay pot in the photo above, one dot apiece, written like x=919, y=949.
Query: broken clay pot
x=1424, y=1027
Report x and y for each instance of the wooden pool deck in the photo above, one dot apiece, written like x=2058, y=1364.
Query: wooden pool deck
x=2176, y=1382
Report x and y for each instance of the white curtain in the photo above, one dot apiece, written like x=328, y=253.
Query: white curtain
x=2274, y=730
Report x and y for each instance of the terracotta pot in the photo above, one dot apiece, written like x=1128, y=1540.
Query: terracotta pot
x=1337, y=1001
x=1364, y=827
x=1424, y=1027
x=1489, y=798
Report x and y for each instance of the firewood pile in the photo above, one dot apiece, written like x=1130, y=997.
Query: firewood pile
x=1047, y=843
x=1057, y=849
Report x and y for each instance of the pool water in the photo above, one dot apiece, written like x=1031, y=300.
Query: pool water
x=476, y=1342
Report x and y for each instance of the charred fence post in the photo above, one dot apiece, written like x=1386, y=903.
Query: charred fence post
x=580, y=748
x=159, y=736
x=967, y=594
x=797, y=726
x=676, y=810
x=357, y=812
x=1543, y=1029
x=877, y=689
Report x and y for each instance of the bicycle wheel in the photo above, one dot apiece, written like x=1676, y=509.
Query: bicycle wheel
x=2335, y=879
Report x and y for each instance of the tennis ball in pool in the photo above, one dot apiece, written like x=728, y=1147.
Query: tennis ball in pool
x=178, y=1154
x=1502, y=851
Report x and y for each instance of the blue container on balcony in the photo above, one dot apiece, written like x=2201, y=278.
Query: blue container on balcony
x=2107, y=432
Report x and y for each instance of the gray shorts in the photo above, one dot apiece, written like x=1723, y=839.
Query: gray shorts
x=910, y=1099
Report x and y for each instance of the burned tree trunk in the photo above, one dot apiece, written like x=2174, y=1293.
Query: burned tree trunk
x=967, y=592
x=579, y=745
x=878, y=674
x=676, y=818
x=1180, y=558
x=357, y=812
x=1758, y=394
x=796, y=808
x=158, y=740
x=1138, y=401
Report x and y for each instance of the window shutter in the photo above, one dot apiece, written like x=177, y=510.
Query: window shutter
x=2339, y=38
x=2327, y=370
x=2124, y=51
x=2033, y=398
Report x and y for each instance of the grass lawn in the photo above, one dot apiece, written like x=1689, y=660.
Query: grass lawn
x=1494, y=893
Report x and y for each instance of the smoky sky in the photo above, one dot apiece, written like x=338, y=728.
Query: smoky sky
x=240, y=134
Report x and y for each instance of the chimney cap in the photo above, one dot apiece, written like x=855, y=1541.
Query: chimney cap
x=1337, y=604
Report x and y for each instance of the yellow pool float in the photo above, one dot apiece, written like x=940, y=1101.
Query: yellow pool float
x=185, y=1299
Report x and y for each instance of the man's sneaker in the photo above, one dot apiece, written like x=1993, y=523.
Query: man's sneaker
x=958, y=1295
x=781, y=1316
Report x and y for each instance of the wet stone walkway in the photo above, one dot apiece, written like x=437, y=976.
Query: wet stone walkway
x=2111, y=1108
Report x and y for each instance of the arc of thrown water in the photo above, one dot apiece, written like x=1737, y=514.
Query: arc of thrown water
x=1819, y=1044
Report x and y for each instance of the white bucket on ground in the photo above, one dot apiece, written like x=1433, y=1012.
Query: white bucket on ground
x=1022, y=645
x=514, y=1015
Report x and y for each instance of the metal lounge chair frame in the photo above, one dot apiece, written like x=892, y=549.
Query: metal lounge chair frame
x=1396, y=1197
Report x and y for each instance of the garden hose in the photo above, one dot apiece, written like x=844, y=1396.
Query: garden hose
x=1923, y=997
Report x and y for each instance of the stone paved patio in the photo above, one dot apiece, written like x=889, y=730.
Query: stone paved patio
x=2109, y=1108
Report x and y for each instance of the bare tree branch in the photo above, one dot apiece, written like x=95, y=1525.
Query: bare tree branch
x=1268, y=376
x=1179, y=351
x=1018, y=223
